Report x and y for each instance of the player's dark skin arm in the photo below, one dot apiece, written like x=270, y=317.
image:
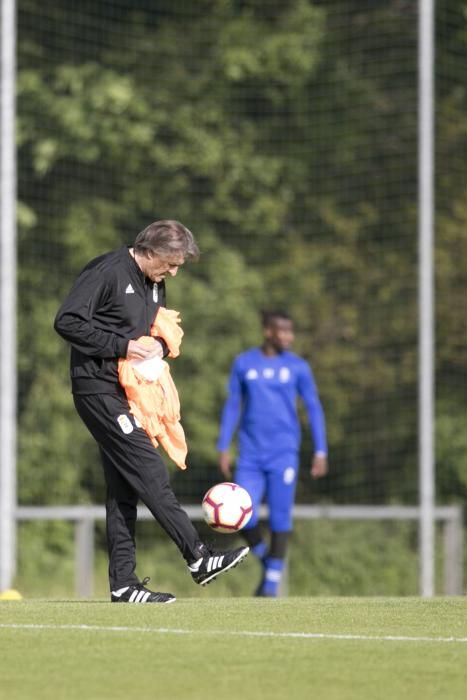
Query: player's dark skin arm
x=224, y=464
x=319, y=466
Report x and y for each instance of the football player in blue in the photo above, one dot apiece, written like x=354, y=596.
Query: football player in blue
x=264, y=385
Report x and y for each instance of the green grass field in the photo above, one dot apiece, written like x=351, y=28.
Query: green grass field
x=246, y=648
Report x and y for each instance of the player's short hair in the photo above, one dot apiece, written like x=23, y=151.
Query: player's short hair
x=269, y=316
x=166, y=237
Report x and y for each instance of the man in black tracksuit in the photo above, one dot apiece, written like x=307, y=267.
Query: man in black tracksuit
x=113, y=302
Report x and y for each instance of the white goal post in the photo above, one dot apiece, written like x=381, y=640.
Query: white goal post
x=84, y=518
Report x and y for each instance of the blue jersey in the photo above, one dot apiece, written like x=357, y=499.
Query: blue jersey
x=262, y=402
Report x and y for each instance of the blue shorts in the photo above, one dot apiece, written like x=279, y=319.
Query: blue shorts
x=273, y=482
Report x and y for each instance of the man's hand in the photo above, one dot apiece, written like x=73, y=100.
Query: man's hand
x=224, y=465
x=138, y=350
x=319, y=466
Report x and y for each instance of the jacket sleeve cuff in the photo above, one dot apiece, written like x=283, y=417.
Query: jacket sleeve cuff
x=165, y=347
x=121, y=347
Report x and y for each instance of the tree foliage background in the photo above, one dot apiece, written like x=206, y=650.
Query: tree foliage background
x=285, y=136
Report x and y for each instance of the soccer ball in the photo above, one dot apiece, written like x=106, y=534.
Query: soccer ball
x=227, y=507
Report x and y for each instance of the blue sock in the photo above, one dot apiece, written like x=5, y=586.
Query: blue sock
x=272, y=577
x=259, y=550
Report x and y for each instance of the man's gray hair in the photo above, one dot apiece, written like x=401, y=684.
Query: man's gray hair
x=166, y=238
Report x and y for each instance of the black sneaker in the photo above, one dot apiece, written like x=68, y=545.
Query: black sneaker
x=137, y=593
x=209, y=566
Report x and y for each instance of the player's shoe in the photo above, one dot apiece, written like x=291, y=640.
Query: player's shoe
x=262, y=593
x=137, y=593
x=209, y=566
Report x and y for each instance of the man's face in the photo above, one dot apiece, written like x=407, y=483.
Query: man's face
x=280, y=334
x=157, y=267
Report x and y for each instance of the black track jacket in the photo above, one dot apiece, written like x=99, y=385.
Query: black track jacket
x=111, y=303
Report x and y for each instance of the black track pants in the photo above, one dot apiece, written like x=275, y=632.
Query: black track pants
x=133, y=470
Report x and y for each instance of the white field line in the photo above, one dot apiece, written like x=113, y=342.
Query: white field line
x=239, y=633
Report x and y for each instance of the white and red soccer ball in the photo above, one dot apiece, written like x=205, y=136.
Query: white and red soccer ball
x=227, y=507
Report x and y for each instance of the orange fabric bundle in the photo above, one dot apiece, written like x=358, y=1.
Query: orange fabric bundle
x=167, y=326
x=151, y=391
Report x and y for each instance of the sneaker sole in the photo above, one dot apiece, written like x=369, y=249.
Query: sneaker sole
x=156, y=602
x=232, y=565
